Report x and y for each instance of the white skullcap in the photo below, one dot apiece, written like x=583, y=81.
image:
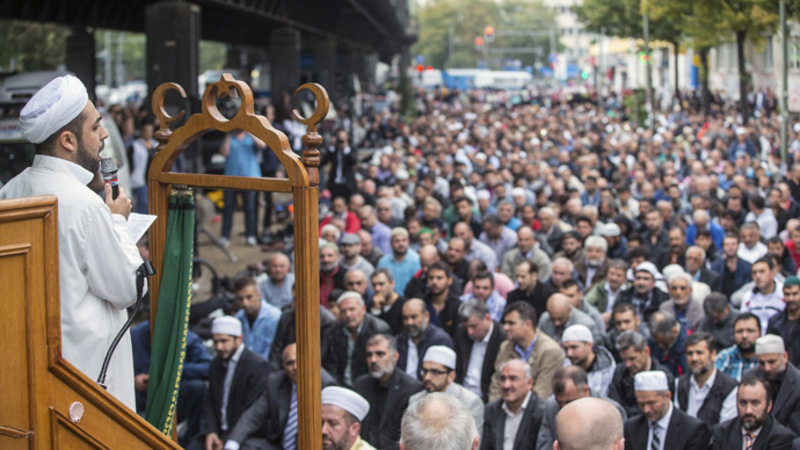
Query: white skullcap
x=483, y=194
x=347, y=400
x=647, y=266
x=481, y=156
x=610, y=229
x=769, y=343
x=796, y=128
x=654, y=380
x=518, y=191
x=579, y=333
x=741, y=130
x=53, y=106
x=226, y=325
x=441, y=354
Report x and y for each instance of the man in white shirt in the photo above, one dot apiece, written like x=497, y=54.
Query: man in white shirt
x=661, y=426
x=476, y=338
x=766, y=298
x=98, y=258
x=750, y=247
x=513, y=421
x=705, y=393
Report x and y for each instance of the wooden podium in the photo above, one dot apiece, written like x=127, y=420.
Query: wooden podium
x=46, y=402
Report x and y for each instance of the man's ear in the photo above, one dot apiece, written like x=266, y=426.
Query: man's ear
x=68, y=140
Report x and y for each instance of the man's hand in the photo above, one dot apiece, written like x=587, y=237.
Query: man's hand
x=377, y=302
x=120, y=205
x=213, y=442
x=141, y=381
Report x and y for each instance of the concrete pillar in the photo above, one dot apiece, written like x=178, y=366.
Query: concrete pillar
x=284, y=59
x=81, y=57
x=325, y=58
x=173, y=45
x=370, y=65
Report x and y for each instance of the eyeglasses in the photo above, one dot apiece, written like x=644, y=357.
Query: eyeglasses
x=435, y=372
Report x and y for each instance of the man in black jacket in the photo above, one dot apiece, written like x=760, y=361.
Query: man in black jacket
x=635, y=355
x=530, y=289
x=387, y=390
x=783, y=377
x=345, y=358
x=229, y=395
x=754, y=403
x=517, y=399
x=419, y=334
x=343, y=160
x=645, y=296
x=265, y=424
x=719, y=401
x=477, y=341
x=661, y=425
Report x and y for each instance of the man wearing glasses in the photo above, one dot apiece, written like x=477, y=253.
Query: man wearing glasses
x=438, y=375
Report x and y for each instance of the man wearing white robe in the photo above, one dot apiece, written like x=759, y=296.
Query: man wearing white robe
x=97, y=255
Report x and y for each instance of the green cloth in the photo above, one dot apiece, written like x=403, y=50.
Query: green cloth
x=169, y=336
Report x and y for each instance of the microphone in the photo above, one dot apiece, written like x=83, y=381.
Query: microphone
x=108, y=168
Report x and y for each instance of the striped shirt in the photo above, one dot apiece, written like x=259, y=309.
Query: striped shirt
x=731, y=362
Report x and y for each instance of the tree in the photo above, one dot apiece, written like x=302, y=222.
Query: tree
x=31, y=46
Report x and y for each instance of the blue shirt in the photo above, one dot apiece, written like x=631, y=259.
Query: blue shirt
x=259, y=337
x=243, y=157
x=278, y=296
x=402, y=270
x=731, y=362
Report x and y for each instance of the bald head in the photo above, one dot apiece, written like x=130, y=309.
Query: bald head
x=589, y=424
x=560, y=309
x=428, y=254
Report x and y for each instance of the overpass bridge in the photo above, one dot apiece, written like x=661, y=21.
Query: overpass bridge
x=302, y=40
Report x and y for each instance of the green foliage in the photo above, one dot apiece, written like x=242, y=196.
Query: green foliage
x=32, y=46
x=623, y=18
x=212, y=56
x=456, y=23
x=130, y=47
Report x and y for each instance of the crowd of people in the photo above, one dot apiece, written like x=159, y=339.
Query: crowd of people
x=519, y=253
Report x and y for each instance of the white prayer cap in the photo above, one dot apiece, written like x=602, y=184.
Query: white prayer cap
x=610, y=229
x=227, y=325
x=347, y=400
x=653, y=380
x=53, y=106
x=441, y=354
x=649, y=267
x=579, y=333
x=481, y=156
x=769, y=343
x=741, y=130
x=483, y=194
x=518, y=191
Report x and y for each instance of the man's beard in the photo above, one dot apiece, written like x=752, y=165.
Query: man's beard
x=327, y=267
x=398, y=254
x=378, y=374
x=595, y=262
x=416, y=333
x=701, y=371
x=85, y=159
x=749, y=349
x=752, y=423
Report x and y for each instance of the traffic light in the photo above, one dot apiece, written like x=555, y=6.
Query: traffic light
x=479, y=43
x=488, y=33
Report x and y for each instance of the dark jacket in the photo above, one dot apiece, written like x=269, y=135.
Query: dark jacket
x=731, y=282
x=249, y=380
x=675, y=358
x=711, y=278
x=381, y=426
x=463, y=348
x=446, y=319
x=349, y=162
x=599, y=276
x=712, y=406
x=266, y=417
x=336, y=361
x=433, y=336
x=537, y=298
x=683, y=433
x=773, y=436
x=657, y=299
x=495, y=422
x=286, y=334
x=786, y=406
x=394, y=316
x=621, y=388
x=779, y=324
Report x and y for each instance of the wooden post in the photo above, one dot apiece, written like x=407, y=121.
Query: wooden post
x=302, y=182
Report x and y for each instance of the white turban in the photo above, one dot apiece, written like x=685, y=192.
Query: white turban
x=441, y=354
x=769, y=343
x=346, y=399
x=53, y=106
x=226, y=325
x=577, y=333
x=654, y=380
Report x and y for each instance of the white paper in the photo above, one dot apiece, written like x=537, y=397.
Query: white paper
x=139, y=224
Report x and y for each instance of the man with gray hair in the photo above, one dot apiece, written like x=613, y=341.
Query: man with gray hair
x=635, y=356
x=476, y=340
x=346, y=358
x=549, y=230
x=439, y=422
x=514, y=420
x=589, y=424
x=668, y=342
x=686, y=309
x=695, y=260
x=593, y=267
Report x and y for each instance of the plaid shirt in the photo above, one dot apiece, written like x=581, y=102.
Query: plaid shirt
x=731, y=362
